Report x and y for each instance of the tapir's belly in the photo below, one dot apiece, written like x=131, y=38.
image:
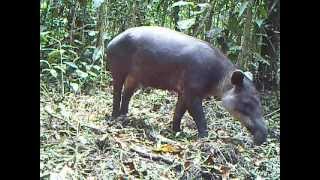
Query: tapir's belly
x=166, y=76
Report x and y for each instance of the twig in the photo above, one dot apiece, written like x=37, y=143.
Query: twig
x=94, y=129
x=272, y=113
x=60, y=118
x=163, y=139
x=144, y=153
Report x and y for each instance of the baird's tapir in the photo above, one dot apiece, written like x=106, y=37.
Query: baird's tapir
x=161, y=58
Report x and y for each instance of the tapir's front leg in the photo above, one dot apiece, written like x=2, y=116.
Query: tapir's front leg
x=194, y=106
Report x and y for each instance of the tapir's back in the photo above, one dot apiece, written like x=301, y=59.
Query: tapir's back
x=158, y=44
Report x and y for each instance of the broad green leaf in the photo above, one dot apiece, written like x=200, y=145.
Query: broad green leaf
x=73, y=52
x=243, y=7
x=259, y=22
x=53, y=73
x=74, y=86
x=182, y=3
x=71, y=64
x=92, y=33
x=106, y=36
x=97, y=3
x=203, y=5
x=261, y=59
x=65, y=20
x=44, y=61
x=186, y=24
x=96, y=67
x=53, y=56
x=97, y=54
x=79, y=42
x=92, y=74
x=81, y=74
x=62, y=67
x=214, y=32
x=44, y=33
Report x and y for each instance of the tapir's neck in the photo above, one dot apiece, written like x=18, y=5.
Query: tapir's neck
x=224, y=84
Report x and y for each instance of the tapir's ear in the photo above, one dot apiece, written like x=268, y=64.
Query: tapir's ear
x=237, y=77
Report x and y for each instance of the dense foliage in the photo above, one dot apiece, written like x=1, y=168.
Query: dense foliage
x=73, y=34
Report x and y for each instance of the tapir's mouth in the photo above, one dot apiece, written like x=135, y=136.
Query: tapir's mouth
x=257, y=128
x=259, y=132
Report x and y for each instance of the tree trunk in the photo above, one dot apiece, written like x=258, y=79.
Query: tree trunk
x=73, y=23
x=208, y=23
x=245, y=54
x=176, y=10
x=270, y=49
x=101, y=25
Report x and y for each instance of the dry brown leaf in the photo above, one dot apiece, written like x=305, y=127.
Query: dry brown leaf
x=225, y=172
x=131, y=168
x=187, y=164
x=209, y=160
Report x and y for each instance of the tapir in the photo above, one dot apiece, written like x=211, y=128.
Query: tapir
x=157, y=57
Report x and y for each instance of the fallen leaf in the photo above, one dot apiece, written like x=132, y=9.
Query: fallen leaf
x=225, y=172
x=167, y=148
x=90, y=178
x=259, y=178
x=240, y=148
x=257, y=162
x=187, y=164
x=209, y=160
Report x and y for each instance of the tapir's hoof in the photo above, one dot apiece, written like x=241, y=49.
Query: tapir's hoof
x=175, y=130
x=203, y=135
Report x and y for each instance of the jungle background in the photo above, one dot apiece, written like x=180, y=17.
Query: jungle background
x=77, y=142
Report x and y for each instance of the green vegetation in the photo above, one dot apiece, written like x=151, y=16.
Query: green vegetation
x=76, y=140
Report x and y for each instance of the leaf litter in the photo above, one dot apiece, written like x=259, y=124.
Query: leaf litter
x=79, y=140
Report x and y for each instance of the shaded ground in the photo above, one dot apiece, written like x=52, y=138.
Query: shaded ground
x=78, y=143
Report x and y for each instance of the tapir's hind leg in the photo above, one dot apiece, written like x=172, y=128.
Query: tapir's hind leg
x=118, y=80
x=130, y=86
x=178, y=113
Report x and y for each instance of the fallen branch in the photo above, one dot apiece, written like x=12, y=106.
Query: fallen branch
x=144, y=153
x=161, y=138
x=60, y=118
x=94, y=129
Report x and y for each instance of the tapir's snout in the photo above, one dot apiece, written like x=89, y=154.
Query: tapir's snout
x=260, y=132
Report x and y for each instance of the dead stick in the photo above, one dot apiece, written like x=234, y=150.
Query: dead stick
x=145, y=154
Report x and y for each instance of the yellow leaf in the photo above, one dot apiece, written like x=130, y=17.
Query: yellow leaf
x=240, y=148
x=167, y=148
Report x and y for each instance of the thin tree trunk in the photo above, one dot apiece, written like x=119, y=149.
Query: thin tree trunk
x=208, y=22
x=270, y=49
x=165, y=9
x=101, y=25
x=245, y=54
x=176, y=10
x=73, y=22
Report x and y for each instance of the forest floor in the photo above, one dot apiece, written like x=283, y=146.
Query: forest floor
x=79, y=142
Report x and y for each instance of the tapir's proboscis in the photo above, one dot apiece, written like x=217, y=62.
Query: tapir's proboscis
x=161, y=58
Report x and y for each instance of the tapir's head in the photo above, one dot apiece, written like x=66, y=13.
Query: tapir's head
x=243, y=103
